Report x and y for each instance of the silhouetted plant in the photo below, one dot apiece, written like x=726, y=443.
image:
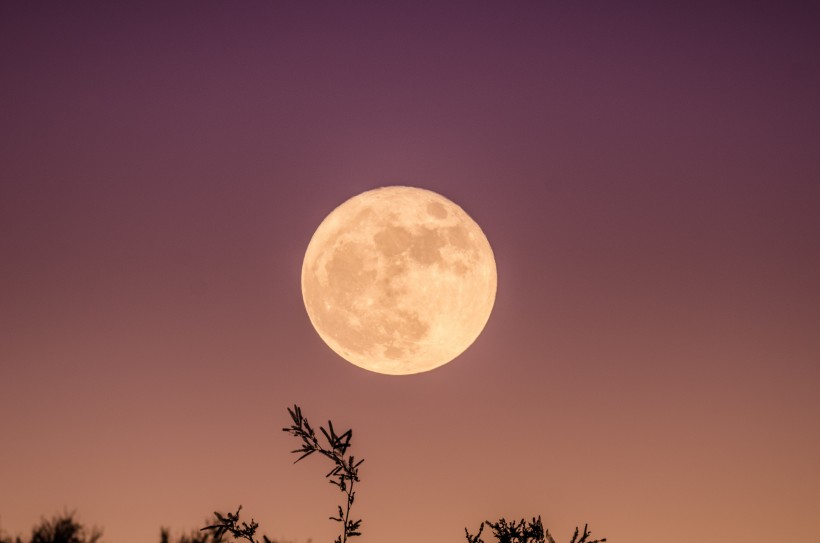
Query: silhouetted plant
x=63, y=528
x=584, y=537
x=194, y=536
x=229, y=523
x=344, y=474
x=5, y=538
x=525, y=532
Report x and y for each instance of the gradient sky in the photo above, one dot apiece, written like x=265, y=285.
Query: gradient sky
x=648, y=178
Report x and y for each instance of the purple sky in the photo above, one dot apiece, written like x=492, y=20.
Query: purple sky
x=648, y=178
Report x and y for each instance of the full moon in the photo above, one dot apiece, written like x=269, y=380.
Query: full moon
x=399, y=280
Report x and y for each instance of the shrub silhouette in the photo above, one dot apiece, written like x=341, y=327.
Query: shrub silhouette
x=8, y=539
x=65, y=528
x=229, y=523
x=525, y=532
x=61, y=528
x=345, y=474
x=194, y=536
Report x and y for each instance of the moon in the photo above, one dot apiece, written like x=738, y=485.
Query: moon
x=399, y=280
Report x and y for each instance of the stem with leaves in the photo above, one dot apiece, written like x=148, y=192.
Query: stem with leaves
x=344, y=474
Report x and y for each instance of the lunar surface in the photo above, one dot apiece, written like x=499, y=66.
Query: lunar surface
x=399, y=280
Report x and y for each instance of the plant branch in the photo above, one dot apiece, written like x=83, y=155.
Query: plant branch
x=344, y=474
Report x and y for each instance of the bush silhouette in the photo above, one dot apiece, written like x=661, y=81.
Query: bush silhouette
x=193, y=536
x=8, y=539
x=61, y=528
x=525, y=532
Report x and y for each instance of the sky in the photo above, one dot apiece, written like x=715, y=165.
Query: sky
x=647, y=176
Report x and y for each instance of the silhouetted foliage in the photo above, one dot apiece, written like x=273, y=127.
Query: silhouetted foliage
x=62, y=528
x=344, y=475
x=229, y=523
x=525, y=532
x=194, y=536
x=345, y=472
x=8, y=539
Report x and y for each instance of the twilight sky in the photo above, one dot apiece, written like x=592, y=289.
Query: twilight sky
x=648, y=178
